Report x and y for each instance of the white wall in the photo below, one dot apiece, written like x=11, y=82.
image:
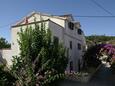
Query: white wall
x=6, y=55
x=54, y=19
x=14, y=40
x=72, y=35
x=57, y=31
x=15, y=37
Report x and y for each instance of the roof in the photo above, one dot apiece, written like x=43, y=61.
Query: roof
x=67, y=16
x=63, y=17
x=23, y=19
x=18, y=25
x=33, y=13
x=37, y=22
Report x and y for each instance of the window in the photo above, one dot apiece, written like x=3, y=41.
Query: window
x=71, y=66
x=71, y=25
x=79, y=46
x=79, y=65
x=56, y=40
x=79, y=31
x=70, y=44
x=12, y=43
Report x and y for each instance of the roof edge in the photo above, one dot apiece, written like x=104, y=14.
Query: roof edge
x=34, y=12
x=30, y=23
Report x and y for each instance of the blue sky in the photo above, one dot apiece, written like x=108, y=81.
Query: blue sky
x=13, y=10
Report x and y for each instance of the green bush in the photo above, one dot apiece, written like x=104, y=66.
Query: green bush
x=6, y=79
x=41, y=60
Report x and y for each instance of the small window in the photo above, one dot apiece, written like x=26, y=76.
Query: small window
x=70, y=44
x=56, y=40
x=71, y=66
x=12, y=43
x=79, y=31
x=71, y=25
x=79, y=65
x=79, y=46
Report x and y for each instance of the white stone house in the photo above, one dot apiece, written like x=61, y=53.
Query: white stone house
x=64, y=28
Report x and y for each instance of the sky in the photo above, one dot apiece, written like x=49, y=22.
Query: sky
x=12, y=11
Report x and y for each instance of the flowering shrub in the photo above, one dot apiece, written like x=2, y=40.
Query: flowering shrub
x=94, y=53
x=109, y=50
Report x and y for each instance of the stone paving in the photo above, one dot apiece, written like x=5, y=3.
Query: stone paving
x=103, y=77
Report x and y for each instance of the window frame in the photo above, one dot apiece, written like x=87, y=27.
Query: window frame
x=71, y=25
x=79, y=31
x=79, y=46
x=70, y=45
x=56, y=40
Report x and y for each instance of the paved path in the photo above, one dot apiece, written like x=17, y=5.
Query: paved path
x=104, y=77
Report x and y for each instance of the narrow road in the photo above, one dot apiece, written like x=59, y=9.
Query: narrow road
x=104, y=77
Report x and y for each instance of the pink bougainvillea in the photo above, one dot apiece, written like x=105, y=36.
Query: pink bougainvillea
x=109, y=49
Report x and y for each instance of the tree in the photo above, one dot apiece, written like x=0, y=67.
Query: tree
x=41, y=61
x=90, y=56
x=91, y=40
x=4, y=43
